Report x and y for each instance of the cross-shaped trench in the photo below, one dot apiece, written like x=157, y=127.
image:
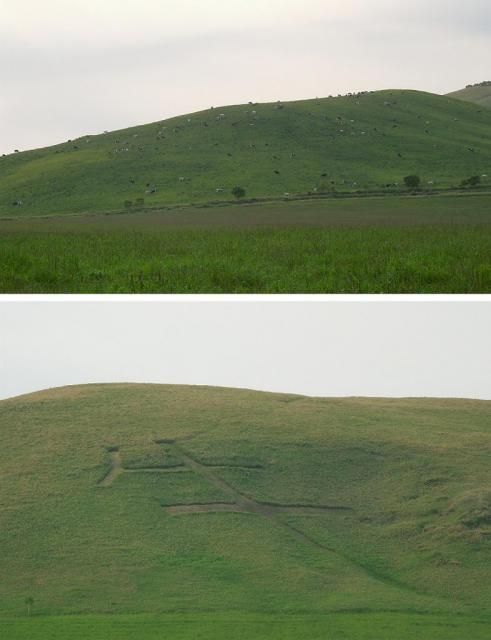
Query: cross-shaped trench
x=239, y=502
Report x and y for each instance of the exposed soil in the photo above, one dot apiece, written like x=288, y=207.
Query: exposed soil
x=115, y=470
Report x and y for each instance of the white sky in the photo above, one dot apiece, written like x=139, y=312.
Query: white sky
x=71, y=67
x=323, y=348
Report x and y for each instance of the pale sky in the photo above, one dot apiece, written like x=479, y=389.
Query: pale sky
x=74, y=67
x=321, y=348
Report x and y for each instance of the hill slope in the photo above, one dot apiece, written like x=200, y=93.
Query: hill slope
x=349, y=143
x=479, y=94
x=145, y=498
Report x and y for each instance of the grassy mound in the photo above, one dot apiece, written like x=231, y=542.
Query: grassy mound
x=124, y=499
x=348, y=144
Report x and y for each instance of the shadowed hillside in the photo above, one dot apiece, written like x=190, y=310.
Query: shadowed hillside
x=159, y=499
x=479, y=94
x=347, y=144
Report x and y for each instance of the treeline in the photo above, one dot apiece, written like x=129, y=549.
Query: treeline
x=486, y=83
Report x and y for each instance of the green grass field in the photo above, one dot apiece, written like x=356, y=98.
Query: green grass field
x=437, y=244
x=191, y=512
x=334, y=626
x=326, y=209
x=349, y=144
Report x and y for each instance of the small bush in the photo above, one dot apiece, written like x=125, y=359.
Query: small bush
x=239, y=192
x=473, y=181
x=412, y=182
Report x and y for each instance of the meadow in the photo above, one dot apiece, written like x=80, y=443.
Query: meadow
x=322, y=208
x=194, y=512
x=334, y=626
x=423, y=244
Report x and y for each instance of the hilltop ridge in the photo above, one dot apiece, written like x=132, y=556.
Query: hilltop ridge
x=479, y=93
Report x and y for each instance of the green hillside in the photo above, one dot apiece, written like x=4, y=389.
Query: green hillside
x=239, y=509
x=479, y=94
x=348, y=144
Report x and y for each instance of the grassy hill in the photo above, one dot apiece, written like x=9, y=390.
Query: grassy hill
x=479, y=94
x=215, y=513
x=347, y=144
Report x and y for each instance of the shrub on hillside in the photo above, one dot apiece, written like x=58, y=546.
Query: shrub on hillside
x=473, y=181
x=239, y=192
x=412, y=182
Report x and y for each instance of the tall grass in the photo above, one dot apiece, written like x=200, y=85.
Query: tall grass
x=440, y=259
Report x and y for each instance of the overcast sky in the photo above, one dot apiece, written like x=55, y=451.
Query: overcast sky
x=73, y=67
x=317, y=348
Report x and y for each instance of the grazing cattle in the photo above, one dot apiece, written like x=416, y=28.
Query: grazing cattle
x=182, y=179
x=219, y=190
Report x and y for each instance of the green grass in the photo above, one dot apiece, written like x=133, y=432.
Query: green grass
x=362, y=245
x=479, y=94
x=337, y=626
x=397, y=545
x=347, y=144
